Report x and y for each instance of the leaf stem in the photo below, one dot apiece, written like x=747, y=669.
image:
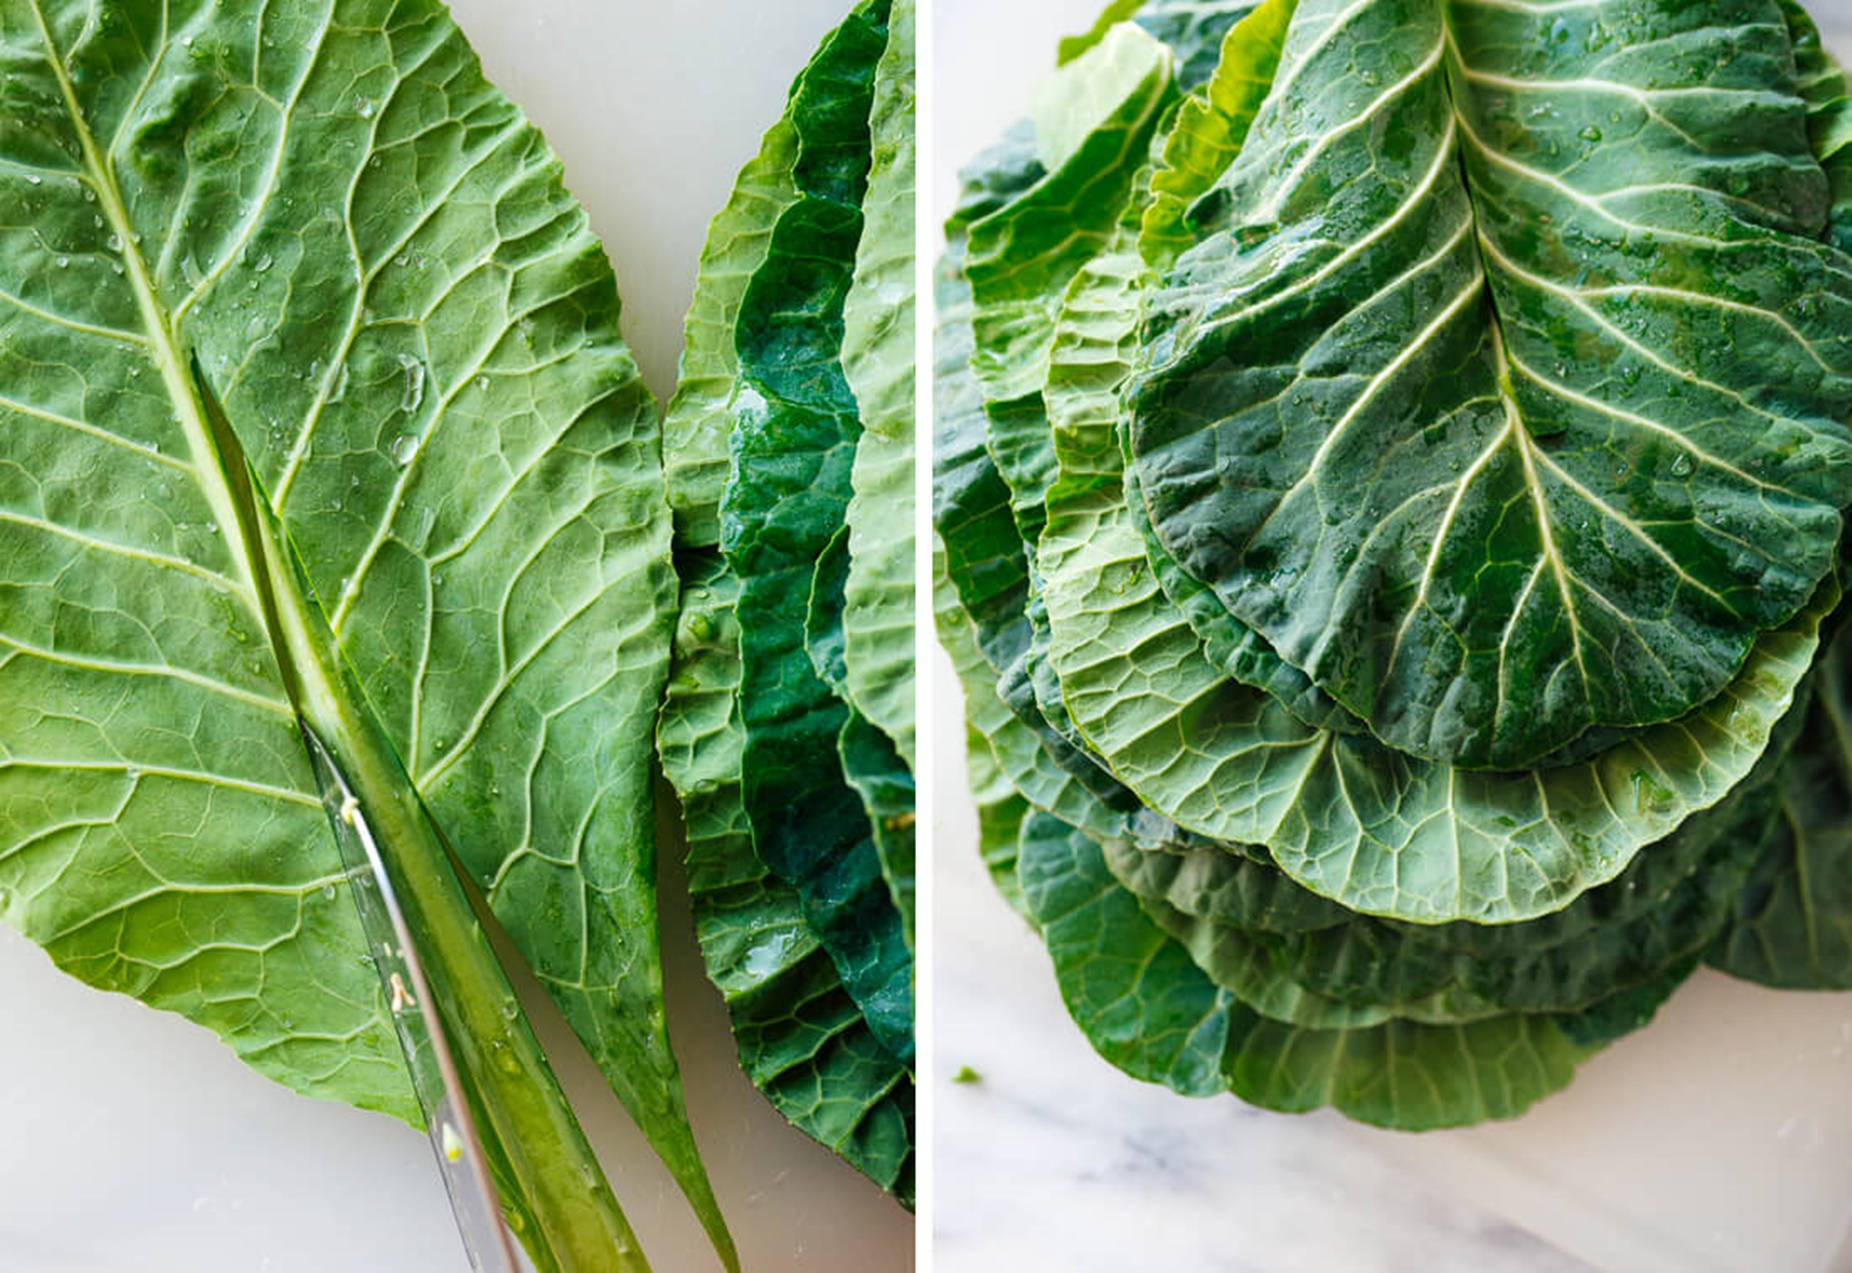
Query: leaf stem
x=554, y=1194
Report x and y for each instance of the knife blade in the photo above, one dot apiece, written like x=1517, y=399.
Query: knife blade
x=428, y=1056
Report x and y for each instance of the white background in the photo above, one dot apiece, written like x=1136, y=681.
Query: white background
x=1719, y=1140
x=131, y=1140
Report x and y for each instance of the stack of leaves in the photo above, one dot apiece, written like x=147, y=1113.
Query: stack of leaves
x=788, y=730
x=1390, y=472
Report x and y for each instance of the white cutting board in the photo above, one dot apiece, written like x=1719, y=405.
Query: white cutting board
x=134, y=1141
x=1718, y=1140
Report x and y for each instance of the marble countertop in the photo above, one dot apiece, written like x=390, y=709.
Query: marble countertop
x=1719, y=1140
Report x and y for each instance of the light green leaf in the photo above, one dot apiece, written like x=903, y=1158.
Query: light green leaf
x=1141, y=1002
x=413, y=334
x=877, y=358
x=1149, y=1010
x=1192, y=28
x=1094, y=126
x=1664, y=909
x=873, y=766
x=1000, y=813
x=1211, y=127
x=1378, y=831
x=699, y=419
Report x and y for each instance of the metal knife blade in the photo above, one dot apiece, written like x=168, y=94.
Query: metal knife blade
x=435, y=1080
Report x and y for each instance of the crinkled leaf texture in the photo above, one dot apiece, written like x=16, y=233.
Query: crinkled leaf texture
x=1247, y=878
x=414, y=338
x=788, y=727
x=796, y=425
x=877, y=358
x=802, y=1040
x=1505, y=389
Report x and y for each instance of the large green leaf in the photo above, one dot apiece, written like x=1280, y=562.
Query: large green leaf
x=1267, y=889
x=699, y=418
x=1212, y=126
x=1130, y=693
x=1093, y=124
x=1000, y=813
x=456, y=475
x=983, y=561
x=1512, y=354
x=1192, y=28
x=1377, y=830
x=1143, y=1005
x=871, y=762
x=796, y=426
x=1290, y=775
x=1666, y=908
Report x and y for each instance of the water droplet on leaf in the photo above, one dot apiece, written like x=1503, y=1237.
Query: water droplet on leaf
x=413, y=396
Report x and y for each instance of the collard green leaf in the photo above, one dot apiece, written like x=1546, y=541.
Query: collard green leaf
x=1248, y=968
x=1822, y=85
x=1383, y=239
x=1224, y=887
x=984, y=560
x=1667, y=907
x=877, y=358
x=1093, y=125
x=1194, y=31
x=699, y=419
x=1000, y=813
x=1165, y=718
x=1402, y=1074
x=803, y=305
x=413, y=335
x=1021, y=753
x=1192, y=28
x=873, y=766
x=1143, y=1005
x=823, y=637
x=795, y=431
x=1212, y=126
x=1536, y=426
x=1115, y=12
x=871, y=763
